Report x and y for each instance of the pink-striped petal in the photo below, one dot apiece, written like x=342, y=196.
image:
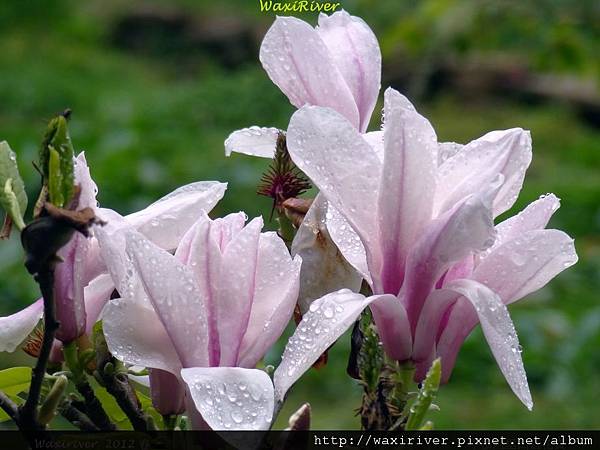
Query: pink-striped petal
x=355, y=52
x=465, y=229
x=253, y=141
x=135, y=335
x=235, y=294
x=407, y=185
x=534, y=217
x=69, y=287
x=16, y=327
x=231, y=398
x=175, y=296
x=392, y=323
x=513, y=270
x=88, y=189
x=97, y=294
x=167, y=391
x=326, y=147
x=468, y=171
x=326, y=320
x=275, y=294
x=165, y=221
x=299, y=63
x=375, y=140
x=526, y=263
x=499, y=332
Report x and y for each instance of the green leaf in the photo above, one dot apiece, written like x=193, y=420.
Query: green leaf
x=56, y=162
x=55, y=180
x=15, y=380
x=13, y=197
x=111, y=406
x=116, y=414
x=426, y=395
x=147, y=407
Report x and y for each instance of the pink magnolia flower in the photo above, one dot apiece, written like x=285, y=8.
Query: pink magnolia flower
x=337, y=65
x=82, y=286
x=417, y=222
x=233, y=398
x=221, y=301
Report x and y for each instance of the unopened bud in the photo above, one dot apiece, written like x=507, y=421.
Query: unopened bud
x=296, y=208
x=300, y=420
x=48, y=408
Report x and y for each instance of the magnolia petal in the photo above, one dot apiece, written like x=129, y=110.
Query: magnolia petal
x=393, y=326
x=465, y=229
x=534, y=217
x=201, y=249
x=225, y=229
x=499, y=332
x=326, y=320
x=513, y=270
x=165, y=221
x=298, y=62
x=88, y=189
x=71, y=274
x=112, y=244
x=526, y=263
x=175, y=297
x=407, y=185
x=231, y=398
x=329, y=150
x=237, y=288
x=447, y=150
x=355, y=52
x=253, y=141
x=96, y=295
x=436, y=304
x=167, y=391
x=375, y=140
x=506, y=152
x=69, y=286
x=460, y=322
x=202, y=255
x=348, y=242
x=324, y=268
x=135, y=335
x=16, y=327
x=275, y=294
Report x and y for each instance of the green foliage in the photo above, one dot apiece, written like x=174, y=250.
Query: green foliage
x=56, y=161
x=13, y=198
x=425, y=397
x=14, y=381
x=149, y=125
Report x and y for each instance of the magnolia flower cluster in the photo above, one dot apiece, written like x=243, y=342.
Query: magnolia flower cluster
x=200, y=301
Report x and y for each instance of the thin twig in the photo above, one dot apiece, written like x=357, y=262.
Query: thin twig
x=77, y=417
x=93, y=406
x=118, y=386
x=9, y=406
x=28, y=412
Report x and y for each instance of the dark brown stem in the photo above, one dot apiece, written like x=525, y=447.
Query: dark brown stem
x=77, y=417
x=28, y=412
x=9, y=406
x=118, y=386
x=93, y=407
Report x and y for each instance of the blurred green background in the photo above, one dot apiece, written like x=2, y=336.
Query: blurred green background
x=156, y=87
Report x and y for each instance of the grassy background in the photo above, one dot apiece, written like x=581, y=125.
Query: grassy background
x=154, y=116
